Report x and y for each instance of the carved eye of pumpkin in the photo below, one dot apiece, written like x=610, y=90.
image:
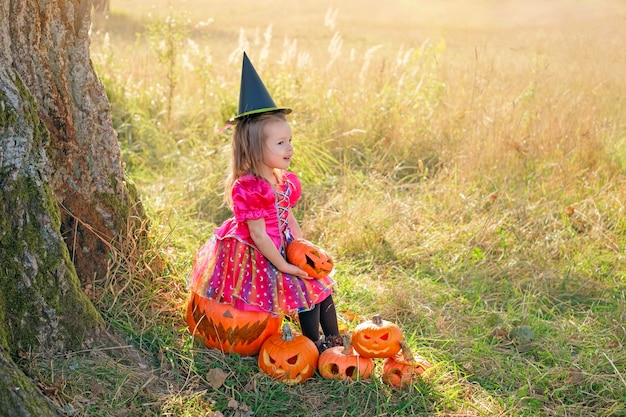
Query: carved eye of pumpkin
x=310, y=258
x=377, y=338
x=383, y=337
x=342, y=362
x=288, y=357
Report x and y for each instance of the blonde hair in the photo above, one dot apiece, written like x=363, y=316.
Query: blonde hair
x=247, y=148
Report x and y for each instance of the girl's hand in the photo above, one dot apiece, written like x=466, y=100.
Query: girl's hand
x=294, y=270
x=266, y=246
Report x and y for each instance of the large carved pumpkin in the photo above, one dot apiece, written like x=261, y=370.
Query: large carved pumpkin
x=377, y=338
x=310, y=258
x=402, y=369
x=231, y=330
x=342, y=362
x=288, y=357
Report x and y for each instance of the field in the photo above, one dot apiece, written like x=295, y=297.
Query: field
x=464, y=162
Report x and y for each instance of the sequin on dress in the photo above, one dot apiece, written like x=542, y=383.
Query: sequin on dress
x=230, y=269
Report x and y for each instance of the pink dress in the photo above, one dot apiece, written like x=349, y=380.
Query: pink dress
x=230, y=269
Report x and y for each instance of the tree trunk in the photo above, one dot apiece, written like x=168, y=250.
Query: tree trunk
x=87, y=177
x=19, y=396
x=65, y=202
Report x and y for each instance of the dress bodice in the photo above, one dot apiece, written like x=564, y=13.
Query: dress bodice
x=254, y=198
x=282, y=205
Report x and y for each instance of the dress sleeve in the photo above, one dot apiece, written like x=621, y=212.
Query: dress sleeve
x=252, y=198
x=296, y=187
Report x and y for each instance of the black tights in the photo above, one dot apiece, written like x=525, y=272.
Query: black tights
x=324, y=314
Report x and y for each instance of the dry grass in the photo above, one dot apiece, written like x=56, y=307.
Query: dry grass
x=464, y=163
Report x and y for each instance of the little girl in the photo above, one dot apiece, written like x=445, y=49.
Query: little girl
x=244, y=263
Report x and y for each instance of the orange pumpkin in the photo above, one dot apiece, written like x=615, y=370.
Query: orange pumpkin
x=402, y=369
x=342, y=362
x=310, y=258
x=377, y=338
x=288, y=357
x=231, y=330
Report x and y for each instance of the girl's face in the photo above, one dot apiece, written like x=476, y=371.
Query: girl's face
x=277, y=150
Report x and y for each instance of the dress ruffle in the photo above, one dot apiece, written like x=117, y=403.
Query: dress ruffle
x=233, y=272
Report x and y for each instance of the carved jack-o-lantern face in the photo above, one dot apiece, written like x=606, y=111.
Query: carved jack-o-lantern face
x=377, y=338
x=402, y=369
x=289, y=358
x=342, y=362
x=223, y=327
x=311, y=259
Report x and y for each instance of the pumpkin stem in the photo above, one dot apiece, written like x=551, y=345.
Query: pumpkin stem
x=287, y=333
x=406, y=351
x=347, y=344
x=377, y=320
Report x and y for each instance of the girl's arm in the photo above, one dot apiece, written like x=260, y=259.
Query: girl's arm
x=265, y=244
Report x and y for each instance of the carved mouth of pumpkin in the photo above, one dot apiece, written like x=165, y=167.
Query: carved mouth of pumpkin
x=299, y=378
x=216, y=331
x=283, y=374
x=317, y=268
x=309, y=261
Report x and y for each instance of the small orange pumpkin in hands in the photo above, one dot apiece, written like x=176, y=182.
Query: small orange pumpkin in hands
x=377, y=338
x=313, y=260
x=402, y=369
x=342, y=362
x=288, y=357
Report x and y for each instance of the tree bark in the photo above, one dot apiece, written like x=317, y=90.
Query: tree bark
x=65, y=202
x=87, y=180
x=19, y=396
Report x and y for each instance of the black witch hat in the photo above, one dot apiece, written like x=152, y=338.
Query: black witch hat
x=253, y=96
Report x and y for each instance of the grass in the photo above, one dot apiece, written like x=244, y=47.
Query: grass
x=464, y=165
